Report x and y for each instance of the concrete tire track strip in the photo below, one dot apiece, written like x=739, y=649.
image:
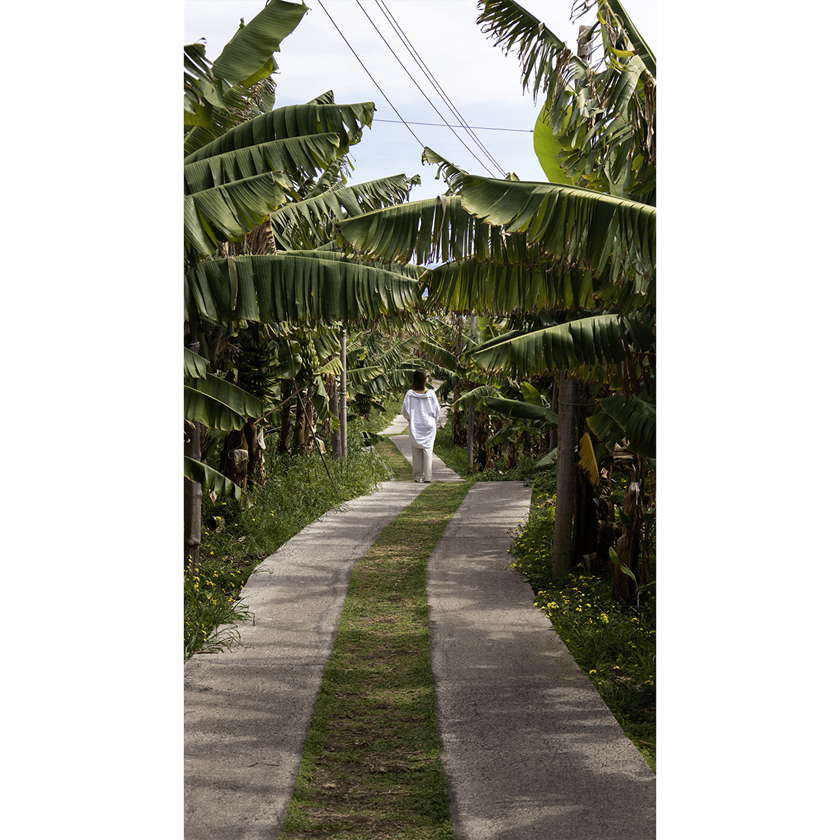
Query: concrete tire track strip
x=529, y=748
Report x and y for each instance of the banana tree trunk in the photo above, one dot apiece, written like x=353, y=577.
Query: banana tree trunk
x=192, y=489
x=192, y=500
x=471, y=420
x=342, y=396
x=565, y=486
x=628, y=543
x=335, y=431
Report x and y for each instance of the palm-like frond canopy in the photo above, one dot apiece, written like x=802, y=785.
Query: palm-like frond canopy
x=602, y=118
x=516, y=245
x=301, y=288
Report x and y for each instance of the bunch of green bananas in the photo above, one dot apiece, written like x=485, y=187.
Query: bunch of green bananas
x=258, y=366
x=363, y=404
x=309, y=356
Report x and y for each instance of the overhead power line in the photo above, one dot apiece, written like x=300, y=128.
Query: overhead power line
x=423, y=145
x=413, y=52
x=430, y=76
x=468, y=127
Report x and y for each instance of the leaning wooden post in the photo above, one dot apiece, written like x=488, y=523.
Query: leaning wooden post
x=342, y=396
x=192, y=489
x=471, y=421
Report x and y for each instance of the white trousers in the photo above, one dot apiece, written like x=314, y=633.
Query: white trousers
x=422, y=463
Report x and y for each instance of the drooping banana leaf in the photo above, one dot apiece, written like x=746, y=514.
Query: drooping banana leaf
x=290, y=155
x=346, y=121
x=475, y=397
x=430, y=231
x=228, y=213
x=201, y=90
x=211, y=480
x=316, y=213
x=302, y=289
x=361, y=375
x=521, y=410
x=471, y=284
x=627, y=417
x=576, y=225
x=195, y=366
x=600, y=339
x=547, y=63
x=219, y=404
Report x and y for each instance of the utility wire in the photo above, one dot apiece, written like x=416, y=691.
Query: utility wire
x=430, y=76
x=423, y=145
x=468, y=127
x=385, y=40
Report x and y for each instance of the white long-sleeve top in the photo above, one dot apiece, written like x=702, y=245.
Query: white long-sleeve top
x=422, y=412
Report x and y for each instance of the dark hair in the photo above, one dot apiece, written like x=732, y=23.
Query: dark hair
x=419, y=380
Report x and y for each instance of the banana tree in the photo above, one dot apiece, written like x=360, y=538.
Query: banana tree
x=218, y=96
x=597, y=125
x=582, y=245
x=245, y=161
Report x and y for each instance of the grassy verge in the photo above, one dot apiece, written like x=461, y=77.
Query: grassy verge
x=297, y=491
x=396, y=461
x=614, y=643
x=371, y=766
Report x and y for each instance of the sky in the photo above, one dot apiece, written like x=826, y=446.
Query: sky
x=477, y=78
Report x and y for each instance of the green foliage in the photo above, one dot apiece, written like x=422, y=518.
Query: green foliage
x=209, y=604
x=235, y=538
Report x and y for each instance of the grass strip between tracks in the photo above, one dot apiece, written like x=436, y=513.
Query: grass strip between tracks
x=371, y=766
x=396, y=461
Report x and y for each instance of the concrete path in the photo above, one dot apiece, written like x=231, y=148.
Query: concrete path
x=530, y=750
x=397, y=428
x=247, y=710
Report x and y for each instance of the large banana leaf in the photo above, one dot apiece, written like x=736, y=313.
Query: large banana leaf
x=231, y=211
x=430, y=231
x=577, y=225
x=290, y=155
x=546, y=150
x=605, y=118
x=299, y=288
x=238, y=86
x=195, y=366
x=252, y=47
x=627, y=417
x=601, y=339
x=230, y=194
x=521, y=410
x=473, y=285
x=316, y=213
x=346, y=121
x=210, y=479
x=219, y=404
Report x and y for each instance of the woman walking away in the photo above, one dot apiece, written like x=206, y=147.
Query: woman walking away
x=422, y=410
